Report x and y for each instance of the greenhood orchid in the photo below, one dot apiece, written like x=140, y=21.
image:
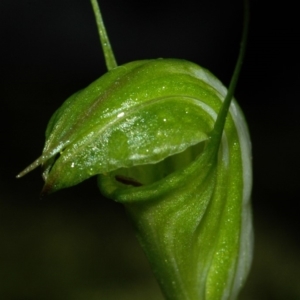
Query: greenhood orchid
x=166, y=140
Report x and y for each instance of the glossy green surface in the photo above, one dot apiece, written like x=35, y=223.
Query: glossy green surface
x=124, y=119
x=194, y=220
x=158, y=135
x=146, y=126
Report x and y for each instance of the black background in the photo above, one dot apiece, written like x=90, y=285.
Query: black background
x=77, y=245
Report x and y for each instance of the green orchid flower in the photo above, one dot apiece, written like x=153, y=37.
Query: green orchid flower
x=167, y=141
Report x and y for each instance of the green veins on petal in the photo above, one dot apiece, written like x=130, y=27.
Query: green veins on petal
x=124, y=118
x=194, y=223
x=145, y=128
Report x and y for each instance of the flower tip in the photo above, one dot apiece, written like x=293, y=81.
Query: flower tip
x=46, y=191
x=19, y=175
x=51, y=185
x=31, y=167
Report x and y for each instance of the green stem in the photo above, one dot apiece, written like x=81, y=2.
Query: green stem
x=107, y=50
x=221, y=119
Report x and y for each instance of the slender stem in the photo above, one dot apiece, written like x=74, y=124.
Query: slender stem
x=220, y=122
x=107, y=50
